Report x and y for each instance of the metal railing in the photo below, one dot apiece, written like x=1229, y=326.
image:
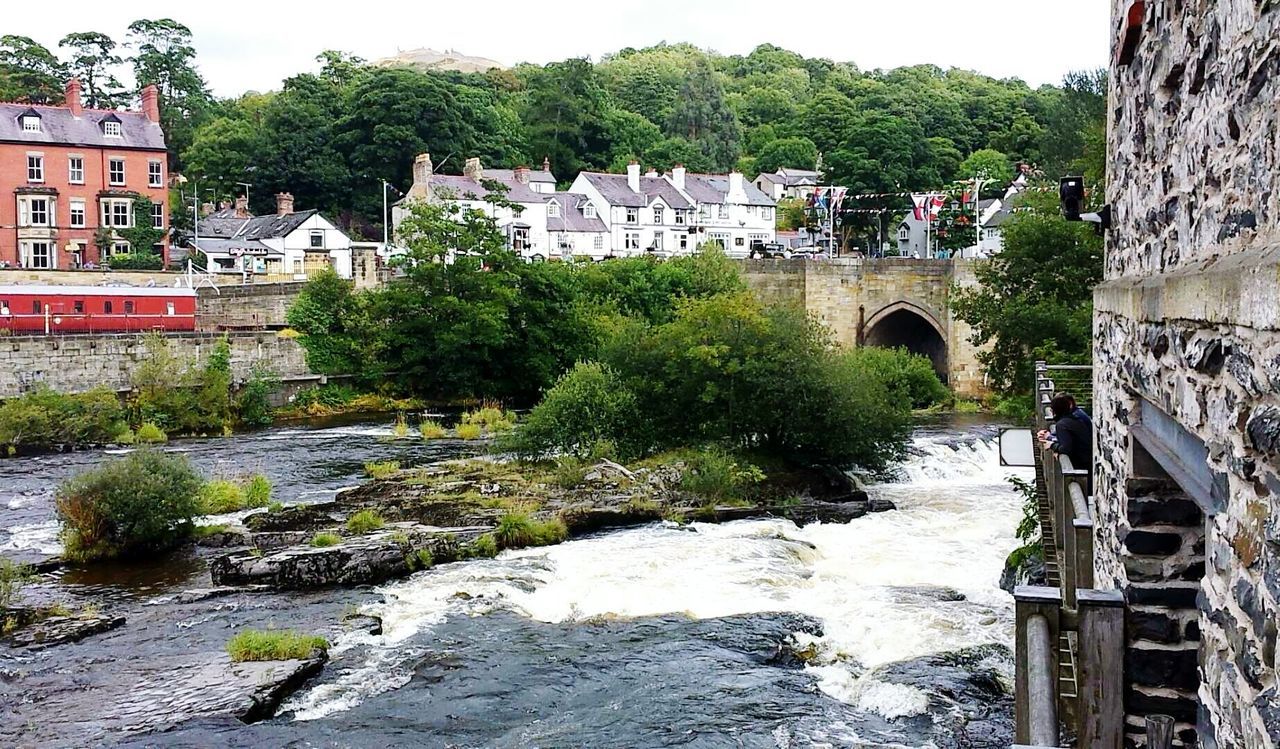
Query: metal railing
x=1070, y=637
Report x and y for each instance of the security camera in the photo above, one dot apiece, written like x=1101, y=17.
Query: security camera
x=1071, y=194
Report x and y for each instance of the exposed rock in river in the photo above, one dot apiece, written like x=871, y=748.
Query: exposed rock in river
x=57, y=630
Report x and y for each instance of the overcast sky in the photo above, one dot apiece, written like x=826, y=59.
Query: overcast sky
x=252, y=46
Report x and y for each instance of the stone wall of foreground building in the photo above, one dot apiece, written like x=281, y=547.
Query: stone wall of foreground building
x=1187, y=365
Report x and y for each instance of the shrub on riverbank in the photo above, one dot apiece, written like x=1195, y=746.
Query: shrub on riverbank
x=716, y=476
x=908, y=376
x=518, y=529
x=12, y=577
x=728, y=371
x=432, y=430
x=490, y=418
x=364, y=522
x=140, y=504
x=44, y=419
x=150, y=434
x=274, y=645
x=219, y=496
x=470, y=431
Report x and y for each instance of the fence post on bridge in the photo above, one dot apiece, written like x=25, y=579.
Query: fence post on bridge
x=1100, y=657
x=1035, y=607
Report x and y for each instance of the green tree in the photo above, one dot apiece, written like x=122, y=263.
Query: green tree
x=702, y=117
x=165, y=57
x=1034, y=300
x=566, y=115
x=93, y=56
x=29, y=72
x=796, y=153
x=989, y=165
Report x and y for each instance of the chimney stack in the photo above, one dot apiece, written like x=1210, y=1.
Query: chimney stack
x=677, y=176
x=472, y=169
x=423, y=169
x=151, y=103
x=546, y=164
x=284, y=203
x=242, y=207
x=522, y=175
x=737, y=188
x=73, y=97
x=206, y=209
x=633, y=176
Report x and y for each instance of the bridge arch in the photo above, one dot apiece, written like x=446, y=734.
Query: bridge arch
x=906, y=325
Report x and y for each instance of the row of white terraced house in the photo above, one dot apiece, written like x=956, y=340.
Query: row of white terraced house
x=605, y=215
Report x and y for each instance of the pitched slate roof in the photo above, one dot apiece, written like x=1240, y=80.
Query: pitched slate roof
x=59, y=127
x=225, y=247
x=505, y=175
x=771, y=178
x=617, y=191
x=461, y=188
x=571, y=218
x=714, y=188
x=224, y=224
x=798, y=177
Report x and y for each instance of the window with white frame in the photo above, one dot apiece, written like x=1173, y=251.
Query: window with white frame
x=157, y=215
x=35, y=167
x=739, y=241
x=317, y=239
x=598, y=242
x=35, y=211
x=77, y=213
x=75, y=170
x=751, y=211
x=904, y=234
x=36, y=255
x=679, y=218
x=683, y=241
x=757, y=239
x=633, y=216
x=658, y=215
x=721, y=239
x=111, y=129
x=30, y=124
x=155, y=174
x=657, y=241
x=553, y=209
x=632, y=240
x=722, y=211
x=117, y=212
x=121, y=248
x=589, y=210
x=115, y=171
x=704, y=212
x=766, y=213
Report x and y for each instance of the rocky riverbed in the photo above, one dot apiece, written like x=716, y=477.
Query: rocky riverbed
x=144, y=662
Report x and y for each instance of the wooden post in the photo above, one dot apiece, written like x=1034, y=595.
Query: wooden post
x=1041, y=604
x=1100, y=660
x=1084, y=554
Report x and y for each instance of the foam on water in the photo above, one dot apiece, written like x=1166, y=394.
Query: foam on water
x=872, y=582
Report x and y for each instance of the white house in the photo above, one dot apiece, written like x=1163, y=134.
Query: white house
x=727, y=210
x=575, y=228
x=289, y=242
x=524, y=223
x=642, y=213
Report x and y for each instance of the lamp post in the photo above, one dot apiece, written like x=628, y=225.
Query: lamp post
x=978, y=183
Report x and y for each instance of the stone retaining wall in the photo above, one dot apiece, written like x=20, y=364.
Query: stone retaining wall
x=73, y=364
x=1187, y=331
x=249, y=307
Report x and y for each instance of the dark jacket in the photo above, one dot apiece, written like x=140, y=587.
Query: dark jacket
x=1075, y=440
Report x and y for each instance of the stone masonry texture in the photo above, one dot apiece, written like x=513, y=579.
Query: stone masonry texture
x=78, y=363
x=841, y=293
x=1187, y=322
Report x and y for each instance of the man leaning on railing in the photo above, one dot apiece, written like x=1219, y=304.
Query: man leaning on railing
x=1072, y=432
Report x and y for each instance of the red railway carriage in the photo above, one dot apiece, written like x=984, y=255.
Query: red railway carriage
x=35, y=309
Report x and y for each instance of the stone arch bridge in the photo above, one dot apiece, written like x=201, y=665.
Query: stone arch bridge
x=888, y=302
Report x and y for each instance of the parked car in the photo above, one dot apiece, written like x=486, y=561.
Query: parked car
x=769, y=250
x=810, y=253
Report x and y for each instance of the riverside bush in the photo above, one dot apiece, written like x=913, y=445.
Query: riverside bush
x=219, y=496
x=908, y=376
x=491, y=418
x=588, y=406
x=384, y=469
x=43, y=419
x=518, y=529
x=365, y=521
x=12, y=577
x=273, y=645
x=484, y=547
x=432, y=430
x=140, y=504
x=715, y=475
x=470, y=431
x=150, y=434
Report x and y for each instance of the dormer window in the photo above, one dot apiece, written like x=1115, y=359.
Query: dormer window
x=30, y=123
x=553, y=209
x=111, y=129
x=589, y=210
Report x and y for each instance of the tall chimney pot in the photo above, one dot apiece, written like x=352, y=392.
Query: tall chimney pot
x=151, y=102
x=677, y=176
x=73, y=97
x=284, y=203
x=522, y=175
x=633, y=176
x=423, y=169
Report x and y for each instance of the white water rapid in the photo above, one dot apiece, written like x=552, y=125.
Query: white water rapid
x=873, y=583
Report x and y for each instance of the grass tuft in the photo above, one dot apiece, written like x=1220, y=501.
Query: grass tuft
x=432, y=430
x=364, y=522
x=325, y=540
x=470, y=431
x=518, y=529
x=383, y=469
x=273, y=645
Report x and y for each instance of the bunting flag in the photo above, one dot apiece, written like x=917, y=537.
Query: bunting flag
x=928, y=205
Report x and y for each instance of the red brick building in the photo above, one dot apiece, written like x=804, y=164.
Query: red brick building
x=66, y=171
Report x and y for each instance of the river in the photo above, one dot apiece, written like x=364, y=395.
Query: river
x=655, y=636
